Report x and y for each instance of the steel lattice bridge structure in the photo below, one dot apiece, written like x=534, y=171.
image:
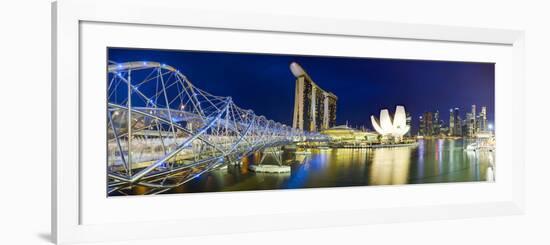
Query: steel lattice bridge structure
x=163, y=131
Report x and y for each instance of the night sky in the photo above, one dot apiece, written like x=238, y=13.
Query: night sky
x=264, y=83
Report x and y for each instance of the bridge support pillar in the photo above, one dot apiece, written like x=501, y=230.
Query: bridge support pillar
x=267, y=168
x=275, y=153
x=271, y=153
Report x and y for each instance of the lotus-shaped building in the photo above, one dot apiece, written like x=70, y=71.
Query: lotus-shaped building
x=387, y=126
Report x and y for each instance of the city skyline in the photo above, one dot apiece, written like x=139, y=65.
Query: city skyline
x=363, y=85
x=468, y=124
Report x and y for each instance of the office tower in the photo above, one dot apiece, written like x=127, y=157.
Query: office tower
x=426, y=124
x=478, y=123
x=444, y=130
x=464, y=128
x=483, y=119
x=455, y=122
x=458, y=123
x=314, y=108
x=458, y=126
x=470, y=125
x=451, y=122
x=421, y=126
x=436, y=124
x=473, y=122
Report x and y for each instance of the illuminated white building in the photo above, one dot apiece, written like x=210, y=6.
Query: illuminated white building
x=395, y=127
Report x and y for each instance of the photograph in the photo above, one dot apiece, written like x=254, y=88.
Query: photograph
x=194, y=121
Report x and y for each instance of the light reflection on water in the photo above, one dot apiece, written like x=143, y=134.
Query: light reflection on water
x=432, y=161
x=390, y=166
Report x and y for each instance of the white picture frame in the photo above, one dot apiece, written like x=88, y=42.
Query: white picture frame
x=68, y=17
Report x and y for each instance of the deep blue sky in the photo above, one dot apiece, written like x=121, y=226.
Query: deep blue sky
x=264, y=83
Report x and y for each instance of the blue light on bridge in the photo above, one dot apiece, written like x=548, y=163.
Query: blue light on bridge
x=147, y=92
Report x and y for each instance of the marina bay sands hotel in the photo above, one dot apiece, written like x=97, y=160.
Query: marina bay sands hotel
x=314, y=108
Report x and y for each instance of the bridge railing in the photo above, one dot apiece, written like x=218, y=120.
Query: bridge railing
x=164, y=131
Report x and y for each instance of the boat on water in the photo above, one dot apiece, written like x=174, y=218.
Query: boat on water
x=471, y=147
x=479, y=147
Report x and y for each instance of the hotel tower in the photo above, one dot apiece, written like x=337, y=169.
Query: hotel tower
x=314, y=108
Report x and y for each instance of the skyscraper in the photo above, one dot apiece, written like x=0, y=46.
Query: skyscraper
x=458, y=126
x=421, y=126
x=426, y=124
x=436, y=124
x=483, y=119
x=455, y=122
x=451, y=122
x=470, y=125
x=314, y=108
x=473, y=120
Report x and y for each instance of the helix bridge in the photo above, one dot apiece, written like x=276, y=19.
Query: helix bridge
x=163, y=131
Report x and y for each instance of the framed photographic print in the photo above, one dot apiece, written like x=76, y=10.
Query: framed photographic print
x=200, y=123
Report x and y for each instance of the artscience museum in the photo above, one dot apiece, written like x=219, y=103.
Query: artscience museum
x=390, y=127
